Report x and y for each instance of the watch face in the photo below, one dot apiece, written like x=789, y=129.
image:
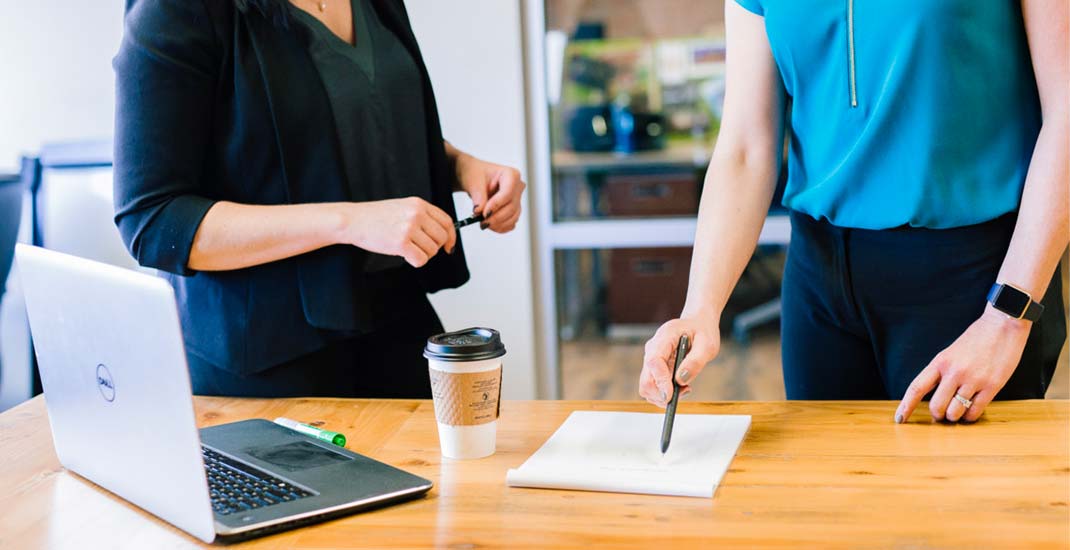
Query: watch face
x=1011, y=300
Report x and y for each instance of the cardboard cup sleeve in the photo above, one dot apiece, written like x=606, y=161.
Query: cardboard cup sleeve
x=466, y=398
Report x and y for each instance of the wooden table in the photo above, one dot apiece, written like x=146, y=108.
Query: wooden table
x=818, y=475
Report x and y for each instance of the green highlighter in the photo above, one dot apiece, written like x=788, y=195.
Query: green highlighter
x=322, y=435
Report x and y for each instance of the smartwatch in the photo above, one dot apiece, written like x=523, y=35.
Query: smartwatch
x=1014, y=302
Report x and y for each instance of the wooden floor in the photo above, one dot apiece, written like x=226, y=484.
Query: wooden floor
x=596, y=369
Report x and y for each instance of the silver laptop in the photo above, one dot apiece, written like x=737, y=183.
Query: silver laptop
x=113, y=367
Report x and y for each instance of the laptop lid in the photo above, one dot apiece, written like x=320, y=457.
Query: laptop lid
x=113, y=367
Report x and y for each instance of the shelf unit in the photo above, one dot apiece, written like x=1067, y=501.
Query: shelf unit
x=643, y=233
x=552, y=235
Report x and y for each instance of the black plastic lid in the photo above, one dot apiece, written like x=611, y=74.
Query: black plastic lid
x=470, y=344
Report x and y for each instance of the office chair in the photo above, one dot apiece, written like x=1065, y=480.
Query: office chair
x=11, y=196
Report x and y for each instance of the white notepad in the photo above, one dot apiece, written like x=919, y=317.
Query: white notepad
x=620, y=452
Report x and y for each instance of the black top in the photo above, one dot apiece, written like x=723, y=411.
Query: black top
x=377, y=103
x=373, y=87
x=220, y=100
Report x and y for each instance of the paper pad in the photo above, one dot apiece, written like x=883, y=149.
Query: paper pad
x=620, y=452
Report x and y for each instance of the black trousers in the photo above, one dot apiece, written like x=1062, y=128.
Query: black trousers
x=864, y=311
x=387, y=363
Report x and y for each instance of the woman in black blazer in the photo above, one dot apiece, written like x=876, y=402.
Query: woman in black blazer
x=283, y=165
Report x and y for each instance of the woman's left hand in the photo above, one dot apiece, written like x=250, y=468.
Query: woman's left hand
x=495, y=190
x=975, y=366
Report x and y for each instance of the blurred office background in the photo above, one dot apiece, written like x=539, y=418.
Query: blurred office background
x=610, y=108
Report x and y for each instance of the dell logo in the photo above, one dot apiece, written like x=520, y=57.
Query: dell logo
x=105, y=383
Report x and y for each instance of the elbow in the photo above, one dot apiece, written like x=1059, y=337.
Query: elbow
x=160, y=236
x=1056, y=122
x=750, y=160
x=132, y=234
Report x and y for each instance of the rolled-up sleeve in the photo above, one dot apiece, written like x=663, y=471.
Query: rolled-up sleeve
x=166, y=72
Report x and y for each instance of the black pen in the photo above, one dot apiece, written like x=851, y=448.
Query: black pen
x=468, y=221
x=670, y=409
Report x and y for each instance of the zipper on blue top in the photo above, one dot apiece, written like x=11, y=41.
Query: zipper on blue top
x=851, y=52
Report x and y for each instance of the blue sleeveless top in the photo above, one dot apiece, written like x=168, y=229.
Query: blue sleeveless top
x=904, y=112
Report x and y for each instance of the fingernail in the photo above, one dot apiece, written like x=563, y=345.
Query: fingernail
x=661, y=395
x=484, y=226
x=898, y=418
x=684, y=376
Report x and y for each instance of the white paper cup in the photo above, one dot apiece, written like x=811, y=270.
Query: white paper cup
x=466, y=371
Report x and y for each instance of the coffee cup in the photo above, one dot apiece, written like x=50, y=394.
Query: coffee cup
x=466, y=380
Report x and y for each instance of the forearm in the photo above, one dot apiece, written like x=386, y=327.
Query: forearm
x=453, y=155
x=743, y=172
x=734, y=205
x=1042, y=231
x=452, y=152
x=235, y=236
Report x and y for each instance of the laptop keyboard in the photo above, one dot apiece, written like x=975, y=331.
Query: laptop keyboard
x=236, y=487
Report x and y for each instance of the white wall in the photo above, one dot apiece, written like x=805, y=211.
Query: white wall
x=473, y=50
x=57, y=83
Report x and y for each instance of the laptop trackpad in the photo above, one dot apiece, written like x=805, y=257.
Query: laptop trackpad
x=296, y=456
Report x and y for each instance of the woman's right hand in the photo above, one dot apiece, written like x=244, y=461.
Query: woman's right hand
x=655, y=382
x=410, y=227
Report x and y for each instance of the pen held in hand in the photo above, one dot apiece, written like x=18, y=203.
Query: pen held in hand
x=468, y=221
x=670, y=409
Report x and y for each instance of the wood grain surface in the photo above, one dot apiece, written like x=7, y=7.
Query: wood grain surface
x=809, y=474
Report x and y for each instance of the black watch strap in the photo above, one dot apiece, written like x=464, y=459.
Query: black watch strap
x=1014, y=302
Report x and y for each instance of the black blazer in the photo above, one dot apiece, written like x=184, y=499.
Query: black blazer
x=218, y=100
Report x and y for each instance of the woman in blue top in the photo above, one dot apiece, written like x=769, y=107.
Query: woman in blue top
x=927, y=172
